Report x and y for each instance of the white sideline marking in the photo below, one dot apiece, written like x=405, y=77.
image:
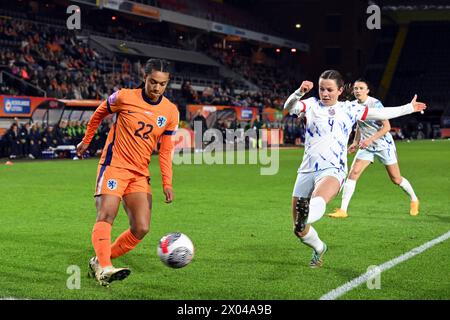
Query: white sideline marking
x=352, y=284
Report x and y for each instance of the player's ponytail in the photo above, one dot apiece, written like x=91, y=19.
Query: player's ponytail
x=347, y=93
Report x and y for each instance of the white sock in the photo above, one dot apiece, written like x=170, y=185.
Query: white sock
x=406, y=186
x=347, y=193
x=317, y=206
x=312, y=240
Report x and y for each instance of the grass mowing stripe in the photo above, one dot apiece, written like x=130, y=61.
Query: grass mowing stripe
x=336, y=293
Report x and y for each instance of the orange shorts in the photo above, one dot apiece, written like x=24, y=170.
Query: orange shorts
x=119, y=181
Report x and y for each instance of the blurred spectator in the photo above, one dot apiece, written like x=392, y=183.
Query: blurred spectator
x=24, y=138
x=188, y=93
x=13, y=141
x=35, y=141
x=49, y=139
x=199, y=122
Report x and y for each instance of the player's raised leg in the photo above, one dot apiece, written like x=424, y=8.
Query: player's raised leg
x=394, y=173
x=308, y=211
x=325, y=191
x=306, y=232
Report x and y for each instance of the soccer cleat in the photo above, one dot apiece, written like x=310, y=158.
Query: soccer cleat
x=109, y=274
x=93, y=267
x=338, y=213
x=317, y=258
x=414, y=208
x=105, y=276
x=302, y=209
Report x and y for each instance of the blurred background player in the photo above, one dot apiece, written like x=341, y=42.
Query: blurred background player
x=143, y=117
x=374, y=141
x=324, y=165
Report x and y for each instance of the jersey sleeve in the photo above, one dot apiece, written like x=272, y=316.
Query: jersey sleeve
x=296, y=106
x=93, y=124
x=389, y=113
x=166, y=151
x=110, y=105
x=293, y=103
x=356, y=111
x=378, y=104
x=308, y=104
x=173, y=124
x=113, y=102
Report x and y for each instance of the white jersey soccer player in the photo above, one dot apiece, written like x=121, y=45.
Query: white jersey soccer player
x=374, y=141
x=326, y=135
x=324, y=165
x=368, y=128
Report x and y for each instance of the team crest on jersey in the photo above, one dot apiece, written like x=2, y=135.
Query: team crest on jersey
x=111, y=184
x=331, y=111
x=161, y=121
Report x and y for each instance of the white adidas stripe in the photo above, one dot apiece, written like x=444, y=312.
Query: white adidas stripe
x=336, y=293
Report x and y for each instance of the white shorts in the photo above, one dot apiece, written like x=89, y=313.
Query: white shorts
x=306, y=181
x=386, y=156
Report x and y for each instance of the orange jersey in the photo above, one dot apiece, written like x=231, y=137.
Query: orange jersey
x=139, y=125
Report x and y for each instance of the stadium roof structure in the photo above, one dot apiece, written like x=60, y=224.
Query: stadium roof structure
x=170, y=16
x=153, y=51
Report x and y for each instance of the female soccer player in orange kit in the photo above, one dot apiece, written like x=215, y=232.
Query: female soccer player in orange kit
x=143, y=117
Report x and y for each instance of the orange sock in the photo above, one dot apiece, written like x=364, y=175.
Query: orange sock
x=101, y=240
x=124, y=243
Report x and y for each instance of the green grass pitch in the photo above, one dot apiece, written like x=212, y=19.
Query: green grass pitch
x=240, y=223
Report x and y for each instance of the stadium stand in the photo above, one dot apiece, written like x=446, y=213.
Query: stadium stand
x=39, y=56
x=423, y=68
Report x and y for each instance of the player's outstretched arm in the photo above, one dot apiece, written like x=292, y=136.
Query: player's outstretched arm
x=394, y=112
x=100, y=113
x=165, y=164
x=291, y=102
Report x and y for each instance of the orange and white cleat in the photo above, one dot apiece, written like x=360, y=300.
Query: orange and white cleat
x=414, y=208
x=338, y=213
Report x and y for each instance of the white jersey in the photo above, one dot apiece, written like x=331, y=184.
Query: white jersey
x=368, y=128
x=327, y=133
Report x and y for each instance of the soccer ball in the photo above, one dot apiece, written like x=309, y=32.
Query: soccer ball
x=175, y=250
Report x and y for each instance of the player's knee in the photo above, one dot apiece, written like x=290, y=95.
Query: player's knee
x=396, y=180
x=354, y=174
x=105, y=216
x=140, y=231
